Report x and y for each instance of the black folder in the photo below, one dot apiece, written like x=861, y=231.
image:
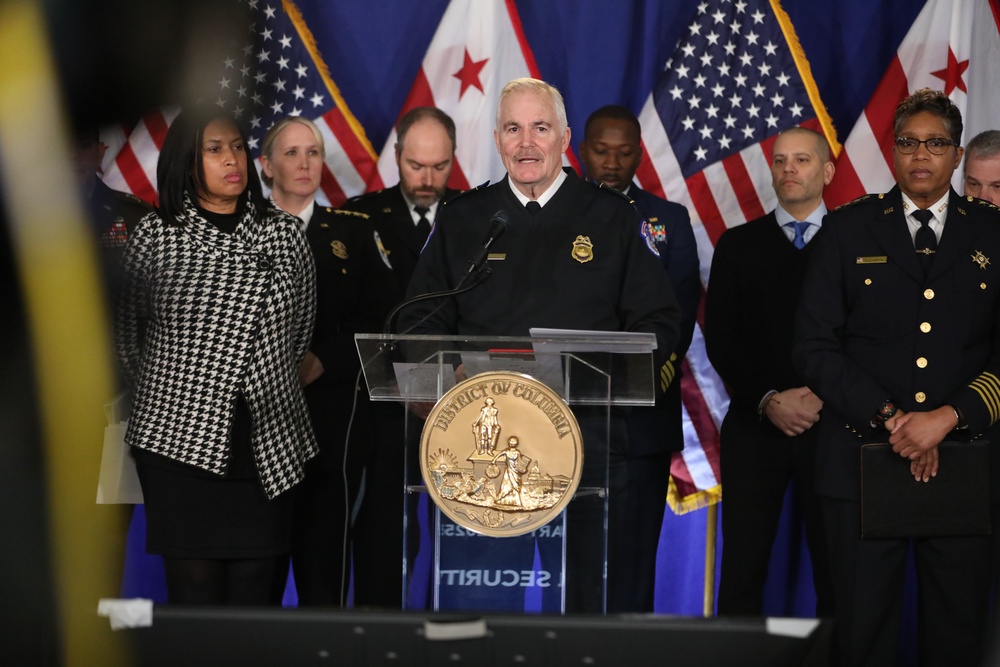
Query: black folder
x=954, y=503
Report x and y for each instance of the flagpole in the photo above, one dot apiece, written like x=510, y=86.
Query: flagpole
x=711, y=524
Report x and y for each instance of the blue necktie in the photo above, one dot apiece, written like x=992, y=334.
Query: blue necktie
x=800, y=233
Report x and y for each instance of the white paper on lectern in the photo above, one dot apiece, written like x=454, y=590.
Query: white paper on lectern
x=420, y=381
x=546, y=368
x=640, y=342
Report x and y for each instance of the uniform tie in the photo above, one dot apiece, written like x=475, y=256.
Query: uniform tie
x=533, y=207
x=800, y=233
x=925, y=240
x=423, y=225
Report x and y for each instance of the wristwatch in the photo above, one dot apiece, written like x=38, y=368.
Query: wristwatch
x=884, y=414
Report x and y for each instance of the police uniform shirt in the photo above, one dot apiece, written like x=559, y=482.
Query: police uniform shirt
x=581, y=262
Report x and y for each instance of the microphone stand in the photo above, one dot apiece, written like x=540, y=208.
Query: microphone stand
x=471, y=280
x=478, y=272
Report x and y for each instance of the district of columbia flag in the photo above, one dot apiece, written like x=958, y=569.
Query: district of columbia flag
x=278, y=72
x=736, y=78
x=953, y=46
x=478, y=47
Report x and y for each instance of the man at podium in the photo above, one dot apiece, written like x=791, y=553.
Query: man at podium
x=573, y=256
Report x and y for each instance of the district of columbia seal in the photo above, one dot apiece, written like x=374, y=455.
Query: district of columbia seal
x=501, y=454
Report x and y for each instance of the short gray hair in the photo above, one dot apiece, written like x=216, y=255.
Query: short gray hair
x=527, y=84
x=983, y=145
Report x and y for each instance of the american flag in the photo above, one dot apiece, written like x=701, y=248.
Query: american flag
x=277, y=72
x=736, y=78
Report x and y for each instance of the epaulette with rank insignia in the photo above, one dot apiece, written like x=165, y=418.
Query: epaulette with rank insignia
x=982, y=202
x=353, y=214
x=481, y=186
x=856, y=201
x=608, y=188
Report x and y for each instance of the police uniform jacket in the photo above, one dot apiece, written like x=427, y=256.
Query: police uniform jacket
x=660, y=429
x=390, y=215
x=872, y=327
x=354, y=289
x=114, y=214
x=207, y=316
x=586, y=260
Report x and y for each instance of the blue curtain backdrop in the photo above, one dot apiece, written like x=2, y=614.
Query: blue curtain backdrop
x=599, y=52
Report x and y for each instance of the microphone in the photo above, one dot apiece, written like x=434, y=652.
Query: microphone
x=476, y=273
x=498, y=225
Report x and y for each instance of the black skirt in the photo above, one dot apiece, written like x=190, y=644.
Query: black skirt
x=192, y=513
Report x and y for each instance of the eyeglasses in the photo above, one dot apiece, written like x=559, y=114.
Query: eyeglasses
x=935, y=146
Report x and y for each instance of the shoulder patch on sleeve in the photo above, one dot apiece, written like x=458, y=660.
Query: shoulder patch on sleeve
x=648, y=235
x=381, y=250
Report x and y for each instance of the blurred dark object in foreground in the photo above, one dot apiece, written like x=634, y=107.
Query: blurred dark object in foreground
x=26, y=581
x=117, y=59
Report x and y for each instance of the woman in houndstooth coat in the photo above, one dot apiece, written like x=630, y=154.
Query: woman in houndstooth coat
x=215, y=316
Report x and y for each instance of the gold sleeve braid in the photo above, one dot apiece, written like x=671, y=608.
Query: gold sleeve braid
x=987, y=385
x=667, y=372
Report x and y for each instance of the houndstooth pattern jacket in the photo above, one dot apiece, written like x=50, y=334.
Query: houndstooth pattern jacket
x=207, y=315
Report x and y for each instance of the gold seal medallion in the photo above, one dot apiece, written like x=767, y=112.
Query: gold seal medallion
x=501, y=454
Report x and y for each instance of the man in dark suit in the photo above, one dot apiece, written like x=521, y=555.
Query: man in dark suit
x=611, y=151
x=768, y=436
x=899, y=333
x=404, y=214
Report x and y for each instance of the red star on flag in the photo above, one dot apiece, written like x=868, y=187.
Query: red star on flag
x=469, y=74
x=952, y=75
